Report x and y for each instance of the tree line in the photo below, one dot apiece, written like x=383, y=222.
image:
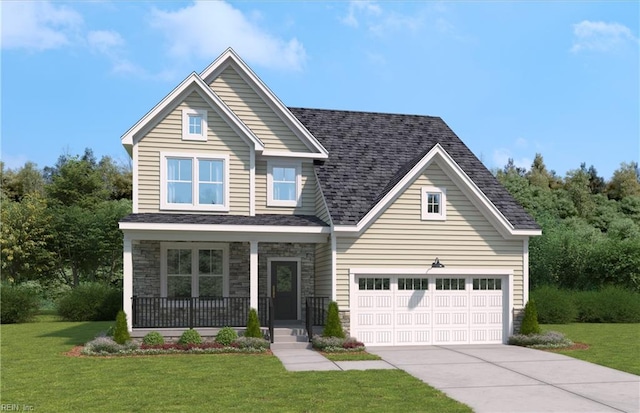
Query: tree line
x=591, y=226
x=60, y=223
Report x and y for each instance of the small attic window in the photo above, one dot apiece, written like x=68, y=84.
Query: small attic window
x=194, y=124
x=434, y=201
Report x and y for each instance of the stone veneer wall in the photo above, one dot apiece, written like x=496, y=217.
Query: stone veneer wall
x=146, y=268
x=239, y=280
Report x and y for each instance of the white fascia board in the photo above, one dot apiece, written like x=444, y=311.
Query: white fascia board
x=256, y=229
x=462, y=180
x=230, y=57
x=431, y=271
x=192, y=83
x=281, y=154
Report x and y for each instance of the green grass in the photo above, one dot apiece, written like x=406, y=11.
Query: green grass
x=362, y=355
x=36, y=373
x=612, y=345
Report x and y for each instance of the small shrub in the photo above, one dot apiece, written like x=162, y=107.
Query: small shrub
x=530, y=320
x=333, y=326
x=336, y=344
x=609, y=305
x=251, y=342
x=153, y=338
x=226, y=336
x=101, y=345
x=19, y=303
x=90, y=302
x=554, y=306
x=550, y=339
x=190, y=336
x=121, y=333
x=253, y=325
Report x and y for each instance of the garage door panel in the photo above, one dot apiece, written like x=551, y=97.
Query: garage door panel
x=406, y=310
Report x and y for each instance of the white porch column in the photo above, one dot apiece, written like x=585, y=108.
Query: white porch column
x=127, y=281
x=253, y=274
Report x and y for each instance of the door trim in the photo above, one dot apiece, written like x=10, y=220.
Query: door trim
x=297, y=260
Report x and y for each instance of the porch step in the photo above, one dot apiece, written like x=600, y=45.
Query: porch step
x=290, y=338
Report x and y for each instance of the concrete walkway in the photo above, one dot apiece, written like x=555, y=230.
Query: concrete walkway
x=310, y=360
x=500, y=378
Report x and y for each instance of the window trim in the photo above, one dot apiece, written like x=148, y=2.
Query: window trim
x=195, y=198
x=424, y=195
x=270, y=192
x=186, y=135
x=194, y=247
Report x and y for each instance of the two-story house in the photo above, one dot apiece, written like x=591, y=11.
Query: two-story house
x=240, y=201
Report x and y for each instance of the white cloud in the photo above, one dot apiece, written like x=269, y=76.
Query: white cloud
x=600, y=36
x=379, y=21
x=501, y=157
x=38, y=26
x=111, y=45
x=205, y=29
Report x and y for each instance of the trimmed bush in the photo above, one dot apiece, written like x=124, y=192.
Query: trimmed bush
x=554, y=306
x=190, y=336
x=19, y=303
x=226, y=336
x=336, y=344
x=530, y=320
x=153, y=338
x=121, y=333
x=253, y=325
x=91, y=302
x=550, y=339
x=609, y=305
x=251, y=342
x=106, y=345
x=333, y=327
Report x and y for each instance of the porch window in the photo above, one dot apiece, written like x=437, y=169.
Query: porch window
x=194, y=182
x=194, y=270
x=284, y=183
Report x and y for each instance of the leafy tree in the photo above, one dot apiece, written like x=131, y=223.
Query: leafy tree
x=625, y=181
x=26, y=233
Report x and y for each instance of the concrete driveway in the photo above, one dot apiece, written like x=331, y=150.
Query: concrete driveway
x=500, y=378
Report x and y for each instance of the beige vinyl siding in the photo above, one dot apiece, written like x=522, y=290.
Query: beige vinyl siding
x=323, y=270
x=308, y=206
x=400, y=239
x=255, y=113
x=166, y=136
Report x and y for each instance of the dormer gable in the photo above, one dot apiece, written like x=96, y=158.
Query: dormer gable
x=193, y=83
x=259, y=108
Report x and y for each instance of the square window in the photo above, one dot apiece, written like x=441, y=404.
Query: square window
x=194, y=124
x=194, y=270
x=433, y=203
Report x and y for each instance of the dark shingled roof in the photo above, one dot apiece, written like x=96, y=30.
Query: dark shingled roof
x=370, y=152
x=262, y=219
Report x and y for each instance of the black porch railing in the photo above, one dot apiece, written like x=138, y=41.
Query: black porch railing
x=163, y=312
x=316, y=313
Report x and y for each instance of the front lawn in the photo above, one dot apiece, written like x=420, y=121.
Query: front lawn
x=612, y=345
x=37, y=374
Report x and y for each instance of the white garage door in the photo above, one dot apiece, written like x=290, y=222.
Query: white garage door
x=410, y=310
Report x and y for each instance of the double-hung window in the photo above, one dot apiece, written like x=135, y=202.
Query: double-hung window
x=194, y=182
x=194, y=124
x=284, y=183
x=434, y=201
x=194, y=270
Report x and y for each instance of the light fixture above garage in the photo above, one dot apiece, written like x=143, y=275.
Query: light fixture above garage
x=437, y=264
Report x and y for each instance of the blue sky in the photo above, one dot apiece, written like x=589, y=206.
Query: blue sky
x=510, y=78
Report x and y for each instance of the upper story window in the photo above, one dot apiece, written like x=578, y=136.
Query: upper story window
x=194, y=182
x=194, y=124
x=434, y=201
x=284, y=184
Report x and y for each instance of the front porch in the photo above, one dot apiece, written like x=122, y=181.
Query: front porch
x=172, y=316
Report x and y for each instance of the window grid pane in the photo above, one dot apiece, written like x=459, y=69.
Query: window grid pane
x=374, y=283
x=433, y=203
x=284, y=183
x=179, y=181
x=195, y=124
